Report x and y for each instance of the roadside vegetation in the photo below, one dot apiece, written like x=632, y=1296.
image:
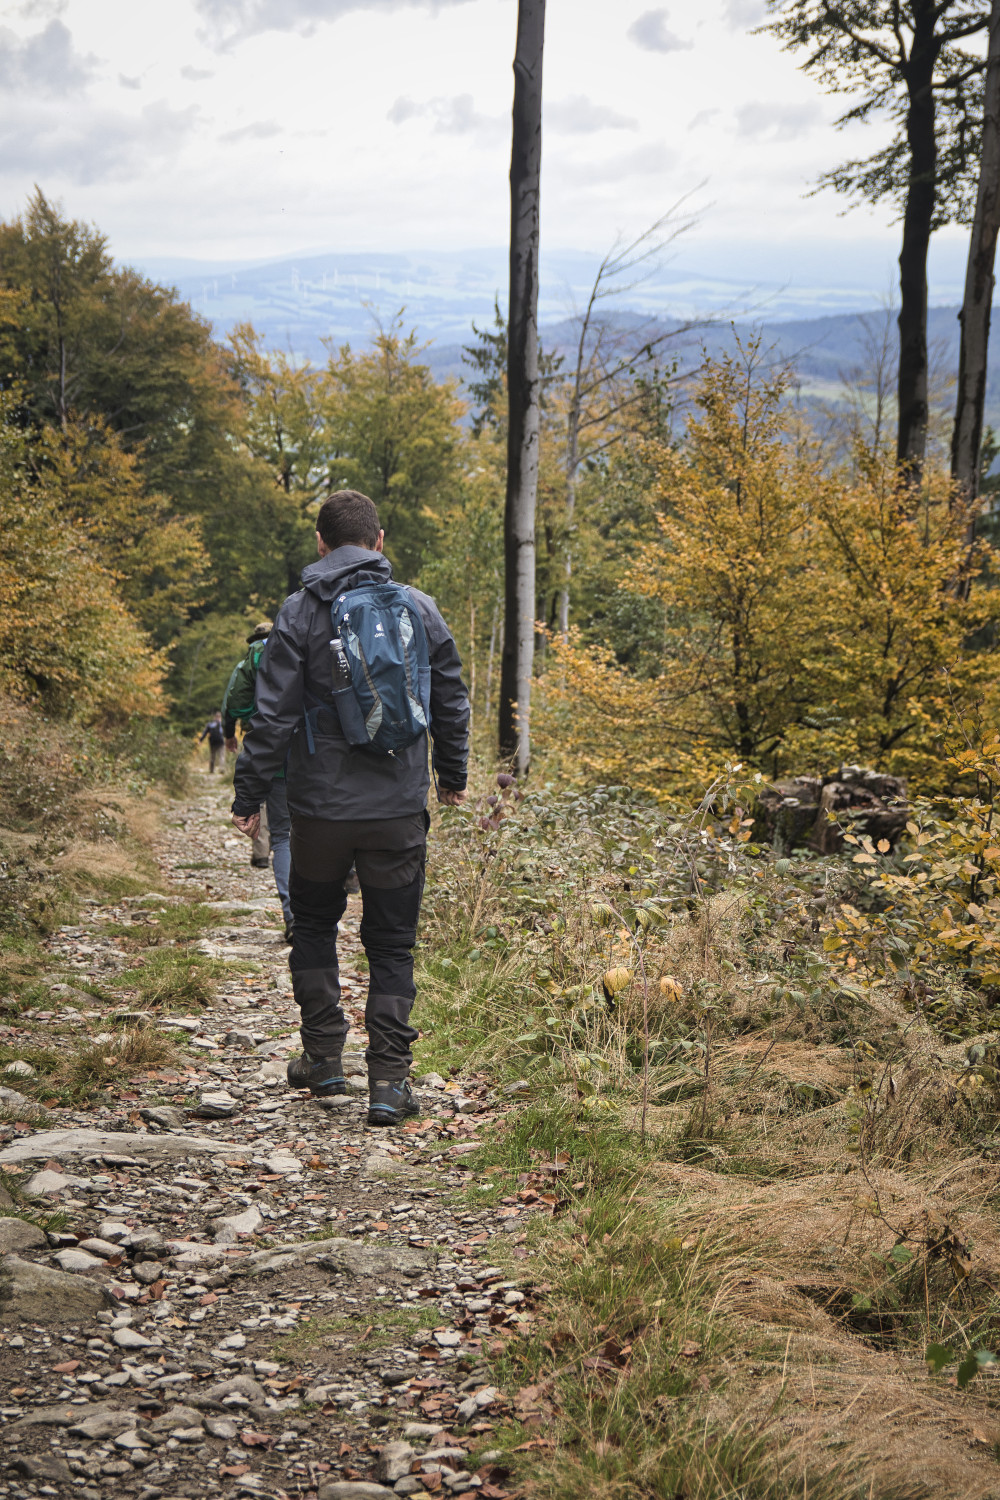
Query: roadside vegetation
x=758, y=1097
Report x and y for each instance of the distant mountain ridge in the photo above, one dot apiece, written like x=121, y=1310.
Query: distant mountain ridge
x=298, y=302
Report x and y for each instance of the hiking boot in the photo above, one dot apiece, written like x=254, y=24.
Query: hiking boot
x=352, y=885
x=322, y=1076
x=260, y=864
x=391, y=1102
x=289, y=931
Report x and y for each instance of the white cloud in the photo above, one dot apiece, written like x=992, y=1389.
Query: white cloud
x=744, y=13
x=196, y=75
x=652, y=160
x=105, y=146
x=579, y=115
x=651, y=33
x=45, y=63
x=260, y=130
x=778, y=122
x=129, y=83
x=233, y=20
x=456, y=115
x=703, y=117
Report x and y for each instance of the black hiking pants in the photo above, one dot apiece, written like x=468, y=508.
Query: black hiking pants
x=389, y=855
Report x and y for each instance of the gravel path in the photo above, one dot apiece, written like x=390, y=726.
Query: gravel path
x=250, y=1292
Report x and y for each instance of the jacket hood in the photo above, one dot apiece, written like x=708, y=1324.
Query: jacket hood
x=332, y=573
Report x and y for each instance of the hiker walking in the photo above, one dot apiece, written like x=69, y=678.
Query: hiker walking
x=356, y=670
x=213, y=732
x=238, y=704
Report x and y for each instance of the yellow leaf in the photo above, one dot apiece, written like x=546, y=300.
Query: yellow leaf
x=616, y=980
x=883, y=846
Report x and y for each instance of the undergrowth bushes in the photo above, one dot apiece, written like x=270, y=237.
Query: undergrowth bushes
x=73, y=819
x=720, y=1082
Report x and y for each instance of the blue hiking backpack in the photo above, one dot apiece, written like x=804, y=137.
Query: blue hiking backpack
x=384, y=702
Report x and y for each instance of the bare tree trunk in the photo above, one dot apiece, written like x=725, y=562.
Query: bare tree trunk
x=979, y=281
x=472, y=663
x=522, y=387
x=573, y=456
x=918, y=220
x=489, y=661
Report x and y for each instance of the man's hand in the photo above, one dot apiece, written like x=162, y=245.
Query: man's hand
x=231, y=744
x=450, y=798
x=250, y=826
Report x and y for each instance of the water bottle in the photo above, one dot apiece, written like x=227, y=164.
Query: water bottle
x=349, y=713
x=339, y=665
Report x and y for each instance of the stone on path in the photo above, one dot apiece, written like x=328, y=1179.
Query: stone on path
x=216, y=1104
x=357, y=1260
x=38, y=1294
x=12, y=1101
x=231, y=1226
x=354, y=1489
x=147, y=1271
x=163, y=1115
x=105, y=1424
x=97, y=1246
x=62, y=1414
x=393, y=1462
x=177, y=1416
x=77, y=1260
x=127, y=1338
x=18, y=1234
x=44, y=1467
x=50, y=1183
x=59, y=1145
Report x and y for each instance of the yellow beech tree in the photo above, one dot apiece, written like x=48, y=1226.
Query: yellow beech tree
x=808, y=618
x=68, y=641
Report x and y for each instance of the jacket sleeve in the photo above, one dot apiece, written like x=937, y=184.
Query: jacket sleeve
x=449, y=701
x=240, y=701
x=279, y=712
x=229, y=714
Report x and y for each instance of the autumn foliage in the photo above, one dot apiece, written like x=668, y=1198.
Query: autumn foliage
x=808, y=617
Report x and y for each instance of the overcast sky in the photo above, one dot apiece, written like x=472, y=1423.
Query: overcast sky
x=253, y=128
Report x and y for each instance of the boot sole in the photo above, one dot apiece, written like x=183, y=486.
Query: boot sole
x=391, y=1116
x=322, y=1090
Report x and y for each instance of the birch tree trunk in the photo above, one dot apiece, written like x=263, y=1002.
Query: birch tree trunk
x=522, y=388
x=979, y=281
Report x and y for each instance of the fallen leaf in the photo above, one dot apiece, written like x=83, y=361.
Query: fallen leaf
x=256, y=1439
x=67, y=1367
x=690, y=1350
x=234, y=1470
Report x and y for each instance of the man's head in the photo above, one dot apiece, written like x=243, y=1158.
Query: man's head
x=260, y=632
x=348, y=519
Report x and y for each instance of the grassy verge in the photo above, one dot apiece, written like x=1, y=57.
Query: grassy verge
x=766, y=1188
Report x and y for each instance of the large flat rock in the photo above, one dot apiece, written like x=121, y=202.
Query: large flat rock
x=60, y=1145
x=38, y=1294
x=347, y=1255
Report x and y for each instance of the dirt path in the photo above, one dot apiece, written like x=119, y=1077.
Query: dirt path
x=248, y=1293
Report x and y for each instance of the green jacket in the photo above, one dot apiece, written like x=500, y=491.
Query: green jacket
x=240, y=698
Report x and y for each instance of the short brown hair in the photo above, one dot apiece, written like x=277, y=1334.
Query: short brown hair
x=348, y=519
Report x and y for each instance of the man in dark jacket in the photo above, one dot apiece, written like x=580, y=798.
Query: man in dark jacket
x=349, y=805
x=239, y=702
x=216, y=740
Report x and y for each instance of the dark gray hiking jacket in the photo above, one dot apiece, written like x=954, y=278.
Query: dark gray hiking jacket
x=338, y=781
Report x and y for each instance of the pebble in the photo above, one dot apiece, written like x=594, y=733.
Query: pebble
x=127, y=1338
x=216, y=1105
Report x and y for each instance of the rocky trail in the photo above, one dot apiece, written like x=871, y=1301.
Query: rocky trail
x=213, y=1286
